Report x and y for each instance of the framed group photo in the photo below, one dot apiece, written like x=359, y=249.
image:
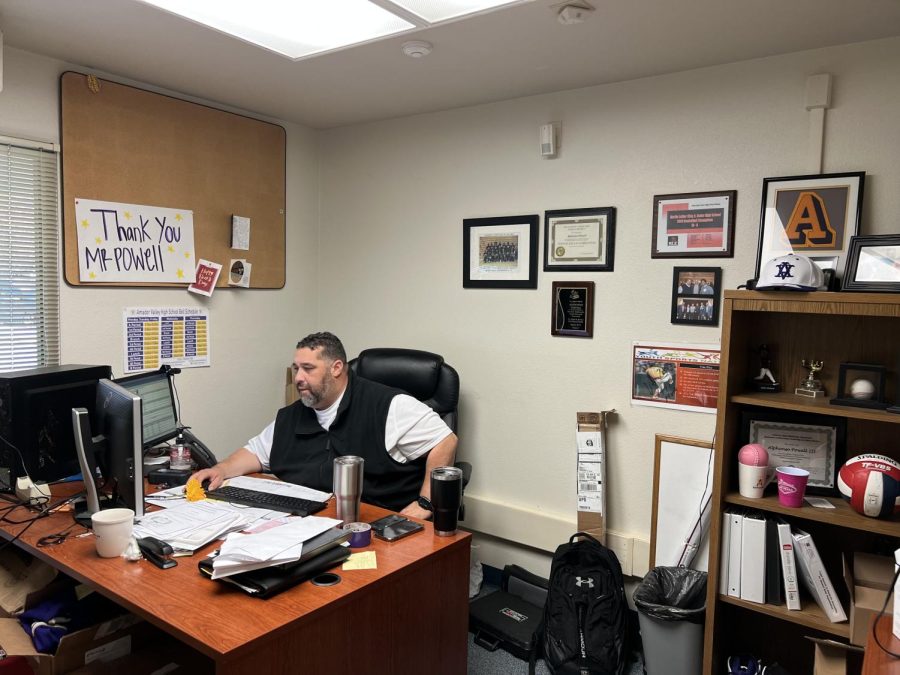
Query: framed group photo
x=695, y=295
x=694, y=225
x=873, y=264
x=579, y=240
x=500, y=252
x=811, y=216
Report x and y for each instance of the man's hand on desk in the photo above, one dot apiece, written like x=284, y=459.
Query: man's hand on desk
x=416, y=511
x=215, y=475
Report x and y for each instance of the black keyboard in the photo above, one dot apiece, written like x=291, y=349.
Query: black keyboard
x=266, y=500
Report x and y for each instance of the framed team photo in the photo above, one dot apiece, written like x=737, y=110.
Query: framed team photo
x=500, y=252
x=811, y=216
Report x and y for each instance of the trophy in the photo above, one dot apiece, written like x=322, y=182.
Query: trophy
x=811, y=387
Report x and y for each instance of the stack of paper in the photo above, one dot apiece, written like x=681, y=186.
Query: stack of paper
x=274, y=546
x=189, y=526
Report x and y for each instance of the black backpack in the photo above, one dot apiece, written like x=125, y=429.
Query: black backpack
x=584, y=629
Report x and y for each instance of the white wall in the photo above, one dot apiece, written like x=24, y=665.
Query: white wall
x=374, y=253
x=252, y=333
x=394, y=194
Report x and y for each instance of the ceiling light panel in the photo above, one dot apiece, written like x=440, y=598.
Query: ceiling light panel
x=295, y=29
x=434, y=11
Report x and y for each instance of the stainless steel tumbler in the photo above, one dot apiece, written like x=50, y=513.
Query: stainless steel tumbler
x=446, y=496
x=348, y=486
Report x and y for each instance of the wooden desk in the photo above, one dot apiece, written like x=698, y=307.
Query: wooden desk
x=408, y=616
x=876, y=661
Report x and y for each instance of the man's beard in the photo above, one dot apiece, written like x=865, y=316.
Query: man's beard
x=312, y=397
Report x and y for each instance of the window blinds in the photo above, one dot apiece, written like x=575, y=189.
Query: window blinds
x=29, y=281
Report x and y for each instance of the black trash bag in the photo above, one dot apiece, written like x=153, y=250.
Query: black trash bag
x=672, y=594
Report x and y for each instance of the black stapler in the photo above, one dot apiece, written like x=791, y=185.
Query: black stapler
x=157, y=552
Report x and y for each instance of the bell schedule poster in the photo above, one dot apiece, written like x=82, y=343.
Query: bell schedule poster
x=174, y=336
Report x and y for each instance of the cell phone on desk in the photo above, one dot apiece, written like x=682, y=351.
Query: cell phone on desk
x=394, y=527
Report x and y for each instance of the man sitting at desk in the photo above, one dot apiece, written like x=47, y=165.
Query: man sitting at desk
x=340, y=413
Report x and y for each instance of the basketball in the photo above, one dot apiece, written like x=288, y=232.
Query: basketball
x=871, y=483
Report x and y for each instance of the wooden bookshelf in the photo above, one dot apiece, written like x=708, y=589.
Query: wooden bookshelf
x=835, y=328
x=810, y=615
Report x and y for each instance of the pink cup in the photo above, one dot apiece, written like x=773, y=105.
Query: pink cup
x=791, y=485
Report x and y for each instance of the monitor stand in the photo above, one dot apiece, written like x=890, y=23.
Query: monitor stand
x=81, y=512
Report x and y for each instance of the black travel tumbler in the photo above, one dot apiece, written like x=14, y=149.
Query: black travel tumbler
x=446, y=496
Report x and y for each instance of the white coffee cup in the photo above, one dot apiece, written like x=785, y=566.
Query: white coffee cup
x=752, y=480
x=112, y=531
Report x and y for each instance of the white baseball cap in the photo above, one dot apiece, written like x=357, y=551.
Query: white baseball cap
x=791, y=273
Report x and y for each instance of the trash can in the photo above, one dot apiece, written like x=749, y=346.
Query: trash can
x=671, y=604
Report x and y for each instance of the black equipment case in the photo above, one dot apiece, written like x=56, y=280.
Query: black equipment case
x=508, y=618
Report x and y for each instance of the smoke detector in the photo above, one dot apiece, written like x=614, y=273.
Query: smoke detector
x=416, y=49
x=569, y=13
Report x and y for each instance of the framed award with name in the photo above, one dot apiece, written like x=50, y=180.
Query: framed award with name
x=572, y=313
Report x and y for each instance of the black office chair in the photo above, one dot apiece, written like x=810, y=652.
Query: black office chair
x=422, y=375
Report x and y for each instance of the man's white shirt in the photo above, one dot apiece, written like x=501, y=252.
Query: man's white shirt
x=411, y=430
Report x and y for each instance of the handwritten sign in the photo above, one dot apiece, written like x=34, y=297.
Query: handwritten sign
x=134, y=243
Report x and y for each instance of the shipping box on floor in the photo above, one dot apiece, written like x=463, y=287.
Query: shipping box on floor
x=868, y=580
x=21, y=575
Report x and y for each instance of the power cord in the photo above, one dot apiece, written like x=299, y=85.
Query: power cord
x=881, y=614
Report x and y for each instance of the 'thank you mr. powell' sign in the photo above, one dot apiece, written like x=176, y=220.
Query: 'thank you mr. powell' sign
x=134, y=243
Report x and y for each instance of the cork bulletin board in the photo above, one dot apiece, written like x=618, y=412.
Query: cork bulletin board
x=128, y=145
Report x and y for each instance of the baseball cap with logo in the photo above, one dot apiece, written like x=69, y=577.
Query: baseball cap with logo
x=791, y=273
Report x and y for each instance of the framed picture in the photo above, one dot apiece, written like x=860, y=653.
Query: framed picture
x=573, y=309
x=577, y=240
x=873, y=264
x=694, y=225
x=811, y=216
x=812, y=442
x=500, y=252
x=695, y=295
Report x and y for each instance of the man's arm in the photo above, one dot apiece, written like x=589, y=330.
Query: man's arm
x=442, y=454
x=238, y=463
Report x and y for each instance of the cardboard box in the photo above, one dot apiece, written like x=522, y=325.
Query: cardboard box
x=830, y=660
x=290, y=391
x=21, y=575
x=105, y=641
x=868, y=580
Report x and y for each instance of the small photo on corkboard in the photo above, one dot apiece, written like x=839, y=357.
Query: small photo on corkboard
x=124, y=145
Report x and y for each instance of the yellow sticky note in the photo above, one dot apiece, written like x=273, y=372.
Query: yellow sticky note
x=361, y=561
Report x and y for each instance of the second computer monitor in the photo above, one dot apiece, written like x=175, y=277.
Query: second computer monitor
x=158, y=398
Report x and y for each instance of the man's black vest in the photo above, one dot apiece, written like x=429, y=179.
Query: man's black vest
x=303, y=452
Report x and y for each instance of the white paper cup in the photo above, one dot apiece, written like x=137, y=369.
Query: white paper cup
x=112, y=531
x=752, y=480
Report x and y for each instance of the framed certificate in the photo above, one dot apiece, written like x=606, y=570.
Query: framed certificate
x=811, y=442
x=579, y=240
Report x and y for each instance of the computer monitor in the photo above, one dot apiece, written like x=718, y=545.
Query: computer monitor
x=35, y=409
x=158, y=398
x=117, y=451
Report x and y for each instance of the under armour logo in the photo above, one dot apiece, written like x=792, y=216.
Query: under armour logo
x=784, y=270
x=589, y=582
